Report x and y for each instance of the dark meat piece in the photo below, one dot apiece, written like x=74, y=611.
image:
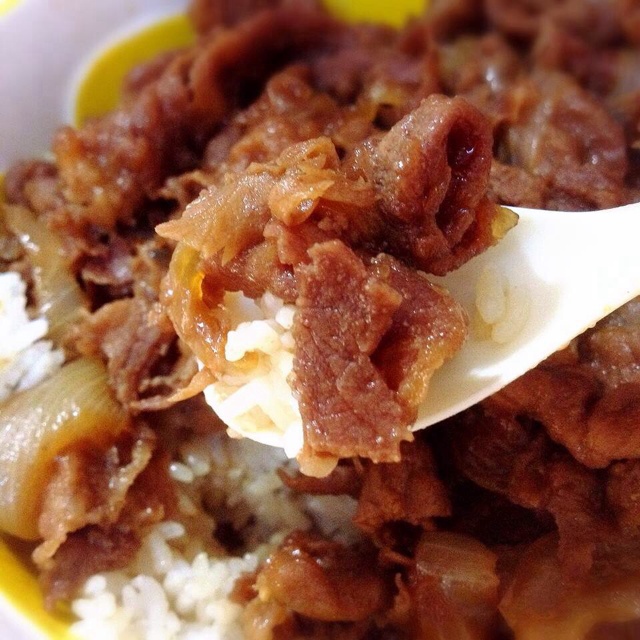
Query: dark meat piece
x=85, y=553
x=345, y=73
x=345, y=479
x=525, y=18
x=193, y=413
x=432, y=173
x=558, y=49
x=514, y=186
x=96, y=505
x=563, y=412
x=146, y=74
x=628, y=13
x=254, y=272
x=24, y=176
x=324, y=580
x=236, y=62
x=612, y=348
x=139, y=345
x=289, y=111
x=597, y=425
x=343, y=311
x=613, y=423
x=516, y=459
x=405, y=491
x=449, y=18
x=350, y=319
x=409, y=353
x=623, y=494
x=533, y=127
x=541, y=603
x=483, y=69
x=564, y=136
x=112, y=268
x=82, y=491
x=206, y=15
x=492, y=518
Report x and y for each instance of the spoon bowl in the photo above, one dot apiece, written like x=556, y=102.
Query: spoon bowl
x=554, y=275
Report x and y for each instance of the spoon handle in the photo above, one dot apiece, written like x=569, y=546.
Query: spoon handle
x=565, y=271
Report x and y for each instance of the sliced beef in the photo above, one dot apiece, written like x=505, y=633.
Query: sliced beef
x=97, y=503
x=406, y=491
x=143, y=359
x=564, y=136
x=432, y=171
x=324, y=580
x=350, y=319
x=343, y=311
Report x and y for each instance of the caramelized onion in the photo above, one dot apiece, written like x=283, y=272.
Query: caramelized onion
x=58, y=295
x=456, y=587
x=74, y=405
x=196, y=313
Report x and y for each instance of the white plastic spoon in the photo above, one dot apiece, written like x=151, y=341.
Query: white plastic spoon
x=557, y=274
x=562, y=273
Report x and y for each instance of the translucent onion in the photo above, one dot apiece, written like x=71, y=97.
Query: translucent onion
x=75, y=405
x=197, y=315
x=456, y=587
x=59, y=297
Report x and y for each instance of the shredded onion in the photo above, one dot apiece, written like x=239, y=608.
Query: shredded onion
x=74, y=405
x=59, y=297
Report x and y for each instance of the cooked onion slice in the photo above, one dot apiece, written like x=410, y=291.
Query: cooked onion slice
x=74, y=405
x=59, y=297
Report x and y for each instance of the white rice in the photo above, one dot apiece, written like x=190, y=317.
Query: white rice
x=25, y=359
x=253, y=396
x=178, y=585
x=503, y=307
